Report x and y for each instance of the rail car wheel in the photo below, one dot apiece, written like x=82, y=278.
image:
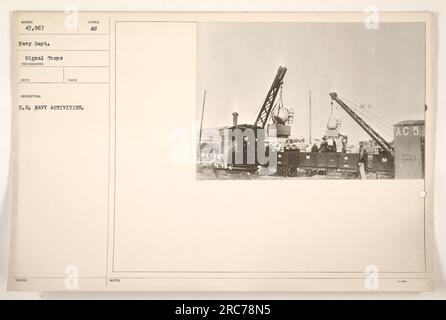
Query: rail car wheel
x=352, y=175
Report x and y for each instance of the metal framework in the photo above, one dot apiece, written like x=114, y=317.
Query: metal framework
x=268, y=104
x=364, y=125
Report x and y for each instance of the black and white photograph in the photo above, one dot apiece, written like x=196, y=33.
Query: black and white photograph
x=303, y=100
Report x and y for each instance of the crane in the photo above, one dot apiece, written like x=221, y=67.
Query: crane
x=364, y=125
x=268, y=104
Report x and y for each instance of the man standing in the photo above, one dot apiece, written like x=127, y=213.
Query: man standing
x=331, y=145
x=363, y=158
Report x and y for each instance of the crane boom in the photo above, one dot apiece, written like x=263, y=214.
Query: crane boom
x=364, y=125
x=268, y=104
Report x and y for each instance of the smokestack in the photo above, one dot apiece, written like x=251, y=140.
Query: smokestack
x=234, y=118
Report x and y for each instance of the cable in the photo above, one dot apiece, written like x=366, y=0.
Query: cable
x=378, y=117
x=383, y=121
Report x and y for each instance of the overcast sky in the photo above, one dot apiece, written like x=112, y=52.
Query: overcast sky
x=383, y=69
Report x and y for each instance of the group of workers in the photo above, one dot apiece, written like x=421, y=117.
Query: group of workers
x=329, y=145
